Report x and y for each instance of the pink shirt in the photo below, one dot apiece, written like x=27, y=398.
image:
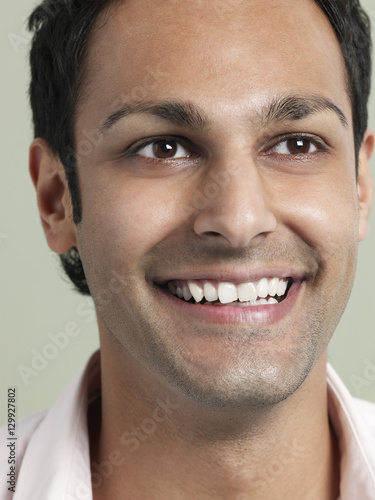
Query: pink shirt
x=52, y=448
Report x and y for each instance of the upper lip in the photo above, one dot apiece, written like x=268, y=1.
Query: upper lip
x=239, y=276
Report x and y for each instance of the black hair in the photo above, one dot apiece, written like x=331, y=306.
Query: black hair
x=61, y=33
x=62, y=30
x=353, y=30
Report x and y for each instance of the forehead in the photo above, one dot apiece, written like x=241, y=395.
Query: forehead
x=220, y=52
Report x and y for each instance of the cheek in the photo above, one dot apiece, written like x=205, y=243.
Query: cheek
x=325, y=215
x=126, y=220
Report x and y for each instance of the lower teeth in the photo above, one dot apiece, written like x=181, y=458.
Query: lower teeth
x=260, y=302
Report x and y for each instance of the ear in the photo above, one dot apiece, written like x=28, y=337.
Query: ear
x=364, y=183
x=55, y=208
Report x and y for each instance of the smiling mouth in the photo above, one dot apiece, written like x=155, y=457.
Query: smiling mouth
x=267, y=291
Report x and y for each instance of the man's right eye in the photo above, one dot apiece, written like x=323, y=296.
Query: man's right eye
x=163, y=149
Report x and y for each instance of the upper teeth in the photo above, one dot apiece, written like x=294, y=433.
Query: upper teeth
x=227, y=292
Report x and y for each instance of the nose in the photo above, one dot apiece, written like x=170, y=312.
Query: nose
x=237, y=206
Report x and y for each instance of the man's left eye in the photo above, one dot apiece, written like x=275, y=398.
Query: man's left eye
x=164, y=149
x=295, y=146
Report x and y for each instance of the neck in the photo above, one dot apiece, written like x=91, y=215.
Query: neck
x=161, y=444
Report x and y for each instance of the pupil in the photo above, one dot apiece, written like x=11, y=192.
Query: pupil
x=298, y=146
x=165, y=149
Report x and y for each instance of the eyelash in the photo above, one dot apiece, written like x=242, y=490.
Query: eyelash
x=321, y=147
x=181, y=141
x=186, y=144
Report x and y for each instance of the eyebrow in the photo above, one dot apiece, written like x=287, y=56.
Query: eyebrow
x=295, y=107
x=186, y=114
x=182, y=113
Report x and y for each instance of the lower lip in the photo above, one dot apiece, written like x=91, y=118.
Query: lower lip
x=257, y=315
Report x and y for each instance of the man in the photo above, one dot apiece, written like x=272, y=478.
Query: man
x=202, y=168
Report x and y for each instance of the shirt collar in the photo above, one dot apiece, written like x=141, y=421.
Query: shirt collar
x=56, y=463
x=356, y=441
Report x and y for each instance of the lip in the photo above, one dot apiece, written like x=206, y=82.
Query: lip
x=233, y=276
x=226, y=314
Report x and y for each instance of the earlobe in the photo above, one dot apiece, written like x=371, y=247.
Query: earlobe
x=364, y=184
x=48, y=176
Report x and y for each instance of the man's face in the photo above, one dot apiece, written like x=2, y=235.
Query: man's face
x=215, y=176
